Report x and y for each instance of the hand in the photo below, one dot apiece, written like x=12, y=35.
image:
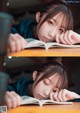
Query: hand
x=12, y=99
x=69, y=37
x=16, y=43
x=63, y=95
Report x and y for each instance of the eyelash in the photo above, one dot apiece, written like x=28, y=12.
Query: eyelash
x=45, y=82
x=61, y=30
x=50, y=22
x=55, y=89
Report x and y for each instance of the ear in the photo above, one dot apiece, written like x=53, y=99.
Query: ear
x=38, y=17
x=34, y=75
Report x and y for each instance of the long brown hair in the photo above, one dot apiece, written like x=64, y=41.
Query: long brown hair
x=51, y=68
x=53, y=9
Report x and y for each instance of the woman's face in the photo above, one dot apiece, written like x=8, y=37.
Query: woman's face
x=43, y=89
x=51, y=27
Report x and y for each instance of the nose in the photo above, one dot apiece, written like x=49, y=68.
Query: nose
x=53, y=33
x=47, y=92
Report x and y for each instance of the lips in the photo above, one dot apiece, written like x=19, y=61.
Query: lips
x=40, y=97
x=46, y=39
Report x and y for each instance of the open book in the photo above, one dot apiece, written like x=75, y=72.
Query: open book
x=32, y=43
x=30, y=100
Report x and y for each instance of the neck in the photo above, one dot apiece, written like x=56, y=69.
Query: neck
x=30, y=90
x=35, y=32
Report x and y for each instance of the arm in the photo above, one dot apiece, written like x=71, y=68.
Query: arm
x=69, y=37
x=21, y=86
x=12, y=99
x=16, y=43
x=64, y=95
x=20, y=32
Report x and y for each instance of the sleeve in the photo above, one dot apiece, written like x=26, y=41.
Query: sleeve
x=19, y=86
x=20, y=28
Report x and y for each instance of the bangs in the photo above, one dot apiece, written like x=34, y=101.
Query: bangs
x=52, y=69
x=65, y=19
x=67, y=15
x=68, y=20
x=62, y=82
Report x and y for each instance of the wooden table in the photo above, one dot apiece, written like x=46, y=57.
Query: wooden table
x=51, y=52
x=75, y=108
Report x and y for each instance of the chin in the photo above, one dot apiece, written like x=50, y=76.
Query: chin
x=37, y=97
x=41, y=39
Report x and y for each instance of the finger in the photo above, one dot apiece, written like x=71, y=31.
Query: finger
x=55, y=96
x=12, y=99
x=67, y=38
x=69, y=35
x=23, y=43
x=51, y=96
x=20, y=43
x=64, y=93
x=9, y=103
x=19, y=99
x=14, y=42
x=16, y=101
x=8, y=99
x=74, y=37
x=60, y=97
x=11, y=45
x=71, y=95
x=61, y=38
x=57, y=38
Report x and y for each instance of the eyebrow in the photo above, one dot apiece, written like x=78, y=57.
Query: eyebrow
x=50, y=80
x=57, y=86
x=63, y=27
x=54, y=20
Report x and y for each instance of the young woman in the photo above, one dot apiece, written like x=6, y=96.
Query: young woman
x=50, y=81
x=54, y=23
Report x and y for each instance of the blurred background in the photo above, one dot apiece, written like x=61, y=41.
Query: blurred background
x=24, y=66
x=21, y=9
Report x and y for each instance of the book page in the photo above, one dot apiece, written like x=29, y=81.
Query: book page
x=34, y=43
x=53, y=102
x=54, y=44
x=31, y=100
x=37, y=43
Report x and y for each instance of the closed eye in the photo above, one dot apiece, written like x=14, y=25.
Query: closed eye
x=46, y=81
x=50, y=22
x=55, y=89
x=61, y=30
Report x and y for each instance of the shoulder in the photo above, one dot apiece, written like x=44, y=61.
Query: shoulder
x=27, y=22
x=24, y=79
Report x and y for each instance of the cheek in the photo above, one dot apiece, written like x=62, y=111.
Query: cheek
x=38, y=88
x=43, y=29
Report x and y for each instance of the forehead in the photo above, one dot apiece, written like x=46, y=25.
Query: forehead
x=60, y=19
